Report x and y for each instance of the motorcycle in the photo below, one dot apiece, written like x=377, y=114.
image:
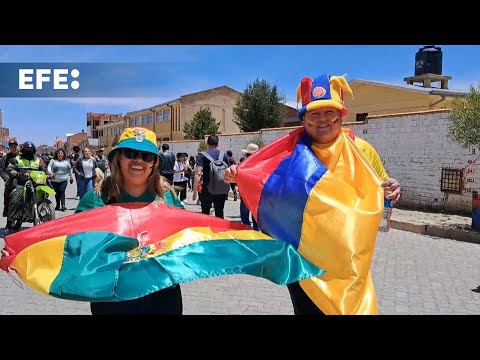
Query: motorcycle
x=37, y=207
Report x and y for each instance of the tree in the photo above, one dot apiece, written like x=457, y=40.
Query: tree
x=259, y=107
x=202, y=147
x=115, y=140
x=203, y=123
x=257, y=140
x=465, y=119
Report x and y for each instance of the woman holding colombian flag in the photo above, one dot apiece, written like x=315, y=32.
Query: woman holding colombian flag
x=321, y=189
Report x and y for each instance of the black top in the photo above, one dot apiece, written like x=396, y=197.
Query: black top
x=169, y=163
x=205, y=163
x=4, y=161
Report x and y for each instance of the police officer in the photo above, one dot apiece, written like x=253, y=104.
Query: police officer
x=26, y=160
x=4, y=161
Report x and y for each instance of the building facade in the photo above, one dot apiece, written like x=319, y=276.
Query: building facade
x=79, y=139
x=371, y=98
x=94, y=120
x=168, y=119
x=109, y=134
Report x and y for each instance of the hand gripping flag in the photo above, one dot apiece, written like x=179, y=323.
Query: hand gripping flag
x=328, y=209
x=126, y=251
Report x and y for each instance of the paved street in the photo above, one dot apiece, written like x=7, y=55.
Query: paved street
x=413, y=274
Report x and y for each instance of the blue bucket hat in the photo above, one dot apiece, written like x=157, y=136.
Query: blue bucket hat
x=138, y=139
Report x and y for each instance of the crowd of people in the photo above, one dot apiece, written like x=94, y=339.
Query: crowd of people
x=60, y=168
x=138, y=171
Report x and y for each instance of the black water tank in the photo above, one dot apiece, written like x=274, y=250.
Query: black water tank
x=428, y=60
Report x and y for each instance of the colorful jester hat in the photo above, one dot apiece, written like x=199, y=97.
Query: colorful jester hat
x=322, y=91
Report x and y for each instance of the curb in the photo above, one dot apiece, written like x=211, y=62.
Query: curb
x=454, y=234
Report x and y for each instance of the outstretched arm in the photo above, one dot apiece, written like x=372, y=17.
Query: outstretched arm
x=392, y=189
x=230, y=174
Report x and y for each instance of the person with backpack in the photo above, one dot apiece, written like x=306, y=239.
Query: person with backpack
x=212, y=164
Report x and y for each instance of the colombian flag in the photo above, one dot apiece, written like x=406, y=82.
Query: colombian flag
x=326, y=203
x=126, y=251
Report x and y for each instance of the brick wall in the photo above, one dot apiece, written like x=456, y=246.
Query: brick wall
x=414, y=148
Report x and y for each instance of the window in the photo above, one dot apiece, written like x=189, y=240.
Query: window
x=150, y=119
x=452, y=181
x=166, y=115
x=361, y=117
x=159, y=116
x=137, y=121
x=144, y=120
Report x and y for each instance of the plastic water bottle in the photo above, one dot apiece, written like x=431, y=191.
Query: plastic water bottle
x=387, y=214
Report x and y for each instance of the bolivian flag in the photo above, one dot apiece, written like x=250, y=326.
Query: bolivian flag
x=125, y=251
x=327, y=203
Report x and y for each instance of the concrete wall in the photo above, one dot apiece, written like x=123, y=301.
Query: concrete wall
x=188, y=146
x=414, y=148
x=235, y=142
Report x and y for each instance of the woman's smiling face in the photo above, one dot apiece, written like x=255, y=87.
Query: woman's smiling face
x=135, y=171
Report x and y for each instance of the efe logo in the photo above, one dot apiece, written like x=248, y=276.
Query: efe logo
x=33, y=79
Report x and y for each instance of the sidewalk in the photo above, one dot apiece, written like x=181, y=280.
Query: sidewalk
x=435, y=224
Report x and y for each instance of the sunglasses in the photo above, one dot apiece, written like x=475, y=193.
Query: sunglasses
x=134, y=154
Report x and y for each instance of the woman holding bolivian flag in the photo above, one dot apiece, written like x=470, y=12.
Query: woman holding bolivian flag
x=131, y=243
x=322, y=190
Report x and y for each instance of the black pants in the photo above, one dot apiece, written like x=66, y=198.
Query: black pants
x=302, y=305
x=60, y=188
x=182, y=192
x=169, y=177
x=218, y=202
x=6, y=193
x=189, y=180
x=164, y=302
x=16, y=206
x=76, y=182
x=233, y=186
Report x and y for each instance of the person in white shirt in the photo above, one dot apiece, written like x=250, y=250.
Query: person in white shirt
x=179, y=178
x=85, y=169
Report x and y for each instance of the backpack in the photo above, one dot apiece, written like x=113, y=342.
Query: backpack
x=216, y=185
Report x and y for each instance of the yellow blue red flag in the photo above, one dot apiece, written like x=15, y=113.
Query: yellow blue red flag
x=327, y=203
